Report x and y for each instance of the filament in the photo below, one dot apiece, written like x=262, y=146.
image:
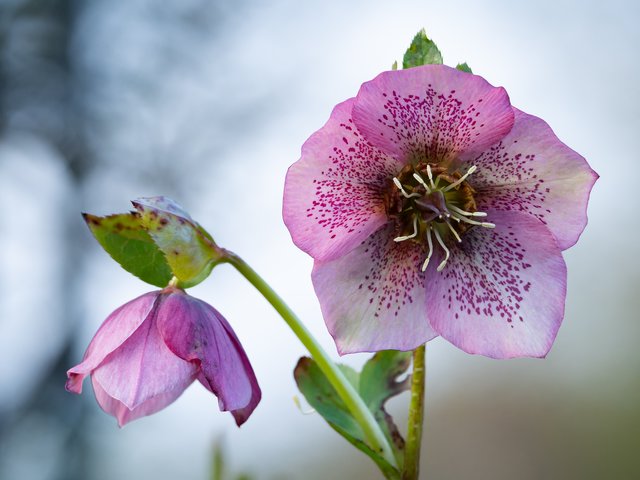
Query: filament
x=461, y=179
x=444, y=247
x=473, y=222
x=422, y=182
x=453, y=230
x=402, y=190
x=466, y=214
x=413, y=235
x=430, y=242
x=430, y=175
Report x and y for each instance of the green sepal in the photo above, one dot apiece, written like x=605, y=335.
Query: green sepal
x=464, y=67
x=128, y=243
x=376, y=384
x=422, y=51
x=189, y=250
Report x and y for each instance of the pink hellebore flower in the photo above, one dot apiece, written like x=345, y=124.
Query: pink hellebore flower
x=433, y=207
x=149, y=350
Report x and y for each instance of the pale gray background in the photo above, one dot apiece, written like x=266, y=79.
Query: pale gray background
x=209, y=102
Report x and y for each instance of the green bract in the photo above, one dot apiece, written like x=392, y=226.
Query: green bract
x=422, y=51
x=189, y=250
x=464, y=67
x=158, y=242
x=130, y=245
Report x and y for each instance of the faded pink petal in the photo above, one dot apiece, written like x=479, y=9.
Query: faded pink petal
x=373, y=297
x=502, y=292
x=143, y=367
x=531, y=170
x=150, y=350
x=197, y=333
x=123, y=414
x=118, y=326
x=433, y=111
x=333, y=194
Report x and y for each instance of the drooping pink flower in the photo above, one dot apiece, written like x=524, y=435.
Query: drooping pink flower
x=433, y=207
x=151, y=349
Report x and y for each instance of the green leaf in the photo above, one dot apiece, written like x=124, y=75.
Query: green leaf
x=377, y=382
x=128, y=243
x=464, y=67
x=422, y=51
x=325, y=400
x=395, y=65
x=188, y=248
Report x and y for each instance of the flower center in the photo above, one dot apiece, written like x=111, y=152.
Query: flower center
x=426, y=201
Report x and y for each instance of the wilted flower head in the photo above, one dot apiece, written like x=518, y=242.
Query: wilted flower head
x=433, y=207
x=151, y=349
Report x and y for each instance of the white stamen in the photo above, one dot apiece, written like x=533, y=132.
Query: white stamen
x=473, y=222
x=402, y=190
x=446, y=250
x=413, y=235
x=422, y=182
x=430, y=242
x=430, y=175
x=455, y=234
x=466, y=214
x=461, y=179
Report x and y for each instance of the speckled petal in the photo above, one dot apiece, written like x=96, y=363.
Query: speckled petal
x=502, y=292
x=333, y=195
x=112, y=333
x=199, y=334
x=373, y=297
x=123, y=414
x=532, y=171
x=431, y=113
x=143, y=368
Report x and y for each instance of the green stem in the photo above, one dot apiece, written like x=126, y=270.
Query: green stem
x=375, y=437
x=416, y=415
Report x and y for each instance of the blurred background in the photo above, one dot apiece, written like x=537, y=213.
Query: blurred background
x=209, y=102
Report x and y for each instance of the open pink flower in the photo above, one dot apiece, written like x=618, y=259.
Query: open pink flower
x=151, y=349
x=433, y=207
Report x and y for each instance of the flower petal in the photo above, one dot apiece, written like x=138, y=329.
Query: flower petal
x=112, y=333
x=143, y=367
x=333, y=195
x=373, y=297
x=532, y=171
x=502, y=292
x=123, y=414
x=197, y=333
x=431, y=113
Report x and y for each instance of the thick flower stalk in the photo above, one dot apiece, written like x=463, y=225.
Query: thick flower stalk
x=433, y=207
x=151, y=349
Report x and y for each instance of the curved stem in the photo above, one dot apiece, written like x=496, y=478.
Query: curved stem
x=375, y=437
x=416, y=415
